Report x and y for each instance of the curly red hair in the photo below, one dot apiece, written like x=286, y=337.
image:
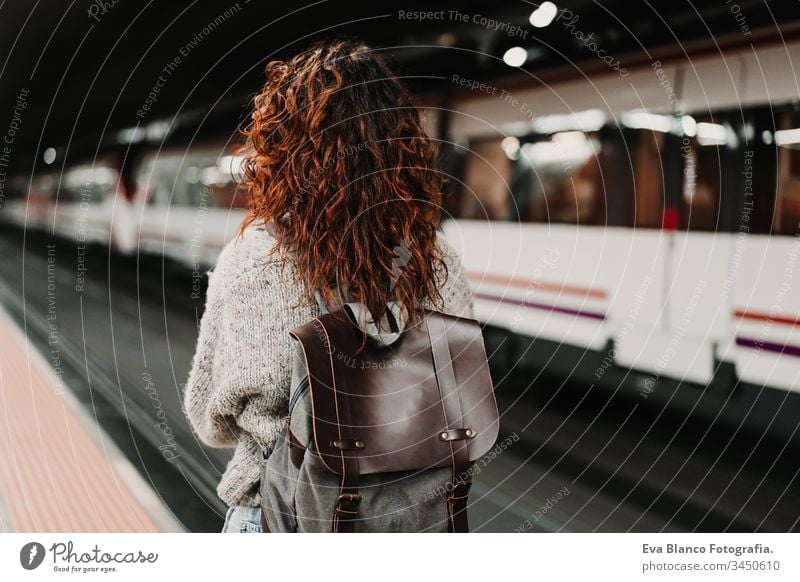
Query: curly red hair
x=338, y=163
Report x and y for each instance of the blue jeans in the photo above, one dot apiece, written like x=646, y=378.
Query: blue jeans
x=242, y=519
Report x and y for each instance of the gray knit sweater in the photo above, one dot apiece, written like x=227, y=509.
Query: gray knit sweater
x=237, y=394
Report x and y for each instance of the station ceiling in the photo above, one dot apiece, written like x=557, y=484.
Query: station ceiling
x=88, y=66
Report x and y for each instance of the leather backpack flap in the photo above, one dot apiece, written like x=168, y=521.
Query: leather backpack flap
x=383, y=404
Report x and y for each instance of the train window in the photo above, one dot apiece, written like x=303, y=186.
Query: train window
x=654, y=158
x=191, y=179
x=221, y=182
x=486, y=191
x=89, y=183
x=152, y=182
x=648, y=192
x=553, y=178
x=787, y=204
x=43, y=188
x=703, y=153
x=565, y=181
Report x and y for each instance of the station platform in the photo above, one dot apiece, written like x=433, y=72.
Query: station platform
x=59, y=470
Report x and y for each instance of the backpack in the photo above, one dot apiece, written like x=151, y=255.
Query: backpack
x=381, y=437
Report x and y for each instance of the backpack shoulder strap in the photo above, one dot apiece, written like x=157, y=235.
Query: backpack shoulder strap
x=455, y=433
x=331, y=414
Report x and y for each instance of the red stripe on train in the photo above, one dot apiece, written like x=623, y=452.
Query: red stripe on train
x=761, y=316
x=544, y=286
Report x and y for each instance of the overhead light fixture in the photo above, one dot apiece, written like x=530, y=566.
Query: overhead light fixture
x=588, y=120
x=689, y=125
x=645, y=120
x=515, y=56
x=81, y=176
x=157, y=130
x=193, y=174
x=510, y=146
x=233, y=165
x=570, y=137
x=711, y=134
x=130, y=135
x=787, y=136
x=567, y=154
x=749, y=131
x=543, y=15
x=211, y=176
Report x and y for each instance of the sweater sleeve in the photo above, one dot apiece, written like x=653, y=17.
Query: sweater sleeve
x=201, y=388
x=238, y=384
x=238, y=387
x=256, y=351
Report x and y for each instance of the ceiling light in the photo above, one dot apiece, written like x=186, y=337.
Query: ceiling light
x=689, y=125
x=644, y=120
x=515, y=56
x=588, y=120
x=787, y=136
x=711, y=134
x=510, y=146
x=543, y=15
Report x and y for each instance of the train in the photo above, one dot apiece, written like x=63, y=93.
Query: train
x=652, y=217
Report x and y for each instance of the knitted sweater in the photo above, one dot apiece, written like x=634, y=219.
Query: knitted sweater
x=237, y=393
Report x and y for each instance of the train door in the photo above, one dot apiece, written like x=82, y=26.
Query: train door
x=639, y=315
x=764, y=336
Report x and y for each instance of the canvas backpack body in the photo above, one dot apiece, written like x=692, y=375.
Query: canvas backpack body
x=381, y=438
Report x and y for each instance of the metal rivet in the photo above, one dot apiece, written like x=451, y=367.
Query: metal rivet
x=443, y=436
x=469, y=432
x=359, y=444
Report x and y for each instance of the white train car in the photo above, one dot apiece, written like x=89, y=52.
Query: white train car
x=181, y=203
x=653, y=216
x=656, y=213
x=86, y=203
x=187, y=204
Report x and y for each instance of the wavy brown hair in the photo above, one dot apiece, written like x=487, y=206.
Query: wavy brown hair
x=338, y=163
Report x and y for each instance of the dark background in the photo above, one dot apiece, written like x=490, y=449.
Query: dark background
x=89, y=65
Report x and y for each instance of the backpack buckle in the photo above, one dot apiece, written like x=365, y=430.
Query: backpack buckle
x=456, y=434
x=347, y=444
x=348, y=503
